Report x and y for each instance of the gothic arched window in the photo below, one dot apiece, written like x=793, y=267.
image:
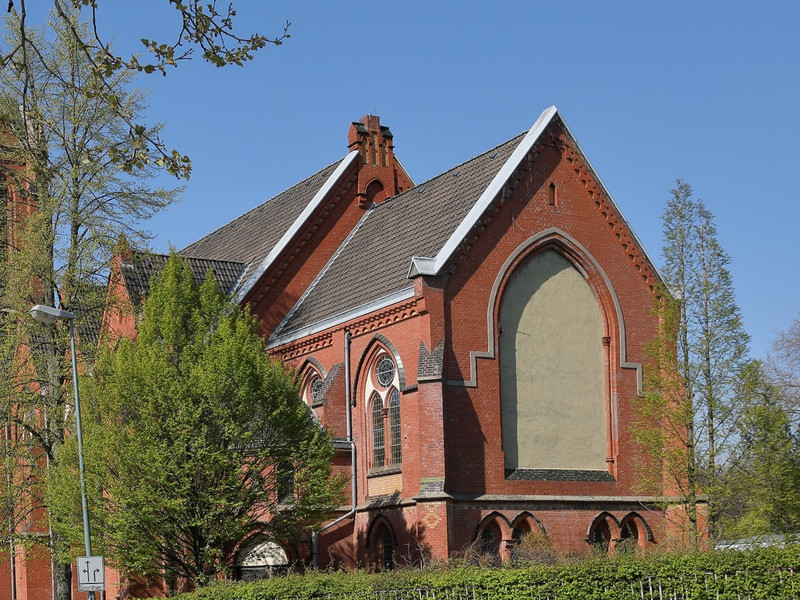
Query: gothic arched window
x=384, y=414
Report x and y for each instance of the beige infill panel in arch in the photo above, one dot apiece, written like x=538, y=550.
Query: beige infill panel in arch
x=552, y=368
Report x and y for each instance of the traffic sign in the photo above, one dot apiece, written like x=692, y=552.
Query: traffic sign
x=91, y=574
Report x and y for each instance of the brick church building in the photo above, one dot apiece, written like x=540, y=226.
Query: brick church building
x=473, y=342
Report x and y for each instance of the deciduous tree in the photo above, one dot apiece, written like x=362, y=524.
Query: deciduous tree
x=192, y=432
x=762, y=479
x=783, y=368
x=66, y=202
x=201, y=26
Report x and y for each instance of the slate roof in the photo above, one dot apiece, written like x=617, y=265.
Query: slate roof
x=88, y=321
x=250, y=238
x=137, y=272
x=373, y=262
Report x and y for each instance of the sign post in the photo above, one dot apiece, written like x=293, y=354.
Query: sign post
x=91, y=574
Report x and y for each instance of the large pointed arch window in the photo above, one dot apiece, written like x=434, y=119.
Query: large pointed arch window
x=552, y=367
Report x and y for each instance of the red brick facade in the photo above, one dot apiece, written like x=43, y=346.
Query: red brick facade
x=431, y=475
x=452, y=483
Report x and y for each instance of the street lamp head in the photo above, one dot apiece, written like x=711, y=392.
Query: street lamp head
x=49, y=315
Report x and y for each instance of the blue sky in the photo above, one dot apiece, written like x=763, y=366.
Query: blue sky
x=705, y=91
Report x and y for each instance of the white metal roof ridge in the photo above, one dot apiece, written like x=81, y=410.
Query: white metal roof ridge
x=487, y=196
x=343, y=317
x=298, y=222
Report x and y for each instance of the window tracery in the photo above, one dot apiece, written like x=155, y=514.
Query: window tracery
x=384, y=414
x=314, y=388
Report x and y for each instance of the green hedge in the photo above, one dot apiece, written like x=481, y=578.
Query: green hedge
x=768, y=574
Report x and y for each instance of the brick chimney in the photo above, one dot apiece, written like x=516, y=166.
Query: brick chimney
x=380, y=176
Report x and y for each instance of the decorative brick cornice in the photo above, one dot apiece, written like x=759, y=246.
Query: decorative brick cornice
x=364, y=325
x=383, y=318
x=304, y=346
x=610, y=214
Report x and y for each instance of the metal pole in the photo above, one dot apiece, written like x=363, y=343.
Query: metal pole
x=11, y=527
x=86, y=535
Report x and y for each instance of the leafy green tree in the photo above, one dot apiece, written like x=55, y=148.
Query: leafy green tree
x=763, y=481
x=783, y=368
x=697, y=358
x=68, y=203
x=76, y=158
x=192, y=430
x=202, y=26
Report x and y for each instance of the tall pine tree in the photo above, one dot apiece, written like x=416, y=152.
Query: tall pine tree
x=698, y=359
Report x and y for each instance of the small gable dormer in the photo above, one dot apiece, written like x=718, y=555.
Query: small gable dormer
x=381, y=176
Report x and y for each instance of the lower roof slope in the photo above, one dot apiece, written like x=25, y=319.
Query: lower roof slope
x=141, y=266
x=250, y=238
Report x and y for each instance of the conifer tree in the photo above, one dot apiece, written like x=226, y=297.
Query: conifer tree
x=696, y=362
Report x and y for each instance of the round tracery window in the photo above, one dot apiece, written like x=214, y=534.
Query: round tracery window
x=384, y=371
x=316, y=390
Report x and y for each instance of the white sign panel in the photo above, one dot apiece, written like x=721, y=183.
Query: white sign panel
x=91, y=574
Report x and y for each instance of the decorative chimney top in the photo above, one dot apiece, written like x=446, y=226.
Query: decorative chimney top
x=380, y=176
x=373, y=141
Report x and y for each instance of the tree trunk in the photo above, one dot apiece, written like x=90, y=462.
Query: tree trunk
x=63, y=578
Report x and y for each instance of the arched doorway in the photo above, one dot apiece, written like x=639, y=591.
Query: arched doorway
x=260, y=559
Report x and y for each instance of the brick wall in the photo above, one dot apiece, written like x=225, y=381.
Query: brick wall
x=452, y=443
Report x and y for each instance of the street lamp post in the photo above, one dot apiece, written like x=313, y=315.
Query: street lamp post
x=49, y=315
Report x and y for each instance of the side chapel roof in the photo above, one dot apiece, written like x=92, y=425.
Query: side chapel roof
x=137, y=270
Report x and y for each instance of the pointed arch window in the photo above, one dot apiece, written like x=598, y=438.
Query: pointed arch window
x=394, y=428
x=384, y=415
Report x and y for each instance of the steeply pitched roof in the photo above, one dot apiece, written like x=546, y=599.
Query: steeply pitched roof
x=250, y=238
x=137, y=271
x=370, y=269
x=414, y=233
x=89, y=318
